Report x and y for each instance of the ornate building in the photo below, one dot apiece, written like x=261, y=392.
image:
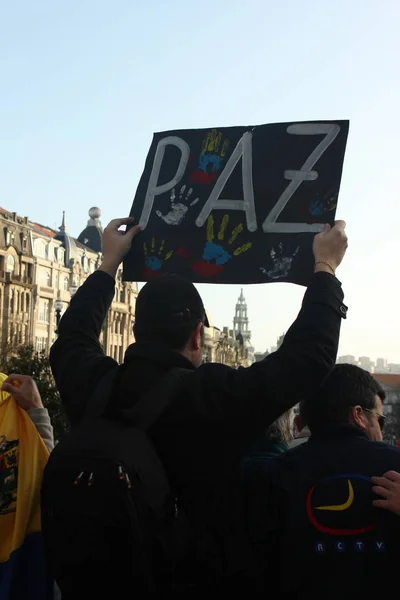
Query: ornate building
x=231, y=346
x=16, y=280
x=241, y=321
x=41, y=270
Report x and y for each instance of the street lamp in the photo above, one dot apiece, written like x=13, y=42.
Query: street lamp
x=58, y=305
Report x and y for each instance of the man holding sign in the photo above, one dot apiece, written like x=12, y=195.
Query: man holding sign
x=213, y=418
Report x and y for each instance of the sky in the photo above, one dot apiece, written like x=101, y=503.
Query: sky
x=84, y=84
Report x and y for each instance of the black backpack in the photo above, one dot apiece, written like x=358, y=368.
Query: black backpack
x=109, y=517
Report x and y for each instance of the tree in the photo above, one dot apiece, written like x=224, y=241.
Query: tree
x=26, y=361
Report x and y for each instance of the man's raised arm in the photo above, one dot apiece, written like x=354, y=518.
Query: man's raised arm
x=77, y=358
x=262, y=392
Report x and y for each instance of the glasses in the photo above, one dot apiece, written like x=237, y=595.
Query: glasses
x=381, y=418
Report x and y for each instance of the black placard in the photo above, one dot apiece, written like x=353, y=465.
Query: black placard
x=236, y=204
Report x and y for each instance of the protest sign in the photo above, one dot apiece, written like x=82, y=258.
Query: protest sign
x=236, y=204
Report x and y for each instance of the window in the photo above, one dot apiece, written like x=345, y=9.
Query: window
x=39, y=248
x=10, y=237
x=41, y=344
x=22, y=298
x=44, y=311
x=66, y=284
x=12, y=300
x=10, y=263
x=27, y=303
x=45, y=278
x=84, y=263
x=61, y=255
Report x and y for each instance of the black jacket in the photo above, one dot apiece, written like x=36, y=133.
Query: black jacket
x=203, y=434
x=312, y=517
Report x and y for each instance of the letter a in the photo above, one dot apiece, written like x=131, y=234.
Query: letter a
x=242, y=151
x=153, y=189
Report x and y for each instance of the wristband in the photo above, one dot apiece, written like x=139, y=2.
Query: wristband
x=324, y=262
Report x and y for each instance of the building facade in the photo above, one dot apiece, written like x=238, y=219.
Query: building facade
x=41, y=269
x=241, y=320
x=39, y=266
x=230, y=346
x=16, y=280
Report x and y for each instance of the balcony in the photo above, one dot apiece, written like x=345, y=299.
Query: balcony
x=14, y=278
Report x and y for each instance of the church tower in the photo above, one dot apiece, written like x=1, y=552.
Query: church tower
x=241, y=321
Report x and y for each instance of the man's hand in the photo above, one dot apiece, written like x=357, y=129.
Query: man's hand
x=24, y=390
x=330, y=247
x=116, y=244
x=388, y=487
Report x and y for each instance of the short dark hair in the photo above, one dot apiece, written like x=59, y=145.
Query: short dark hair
x=347, y=386
x=175, y=338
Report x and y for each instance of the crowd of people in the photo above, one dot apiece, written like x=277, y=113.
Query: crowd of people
x=182, y=478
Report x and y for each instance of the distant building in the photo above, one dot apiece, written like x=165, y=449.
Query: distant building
x=259, y=356
x=394, y=368
x=391, y=384
x=241, y=321
x=230, y=346
x=39, y=266
x=381, y=365
x=348, y=359
x=16, y=280
x=366, y=363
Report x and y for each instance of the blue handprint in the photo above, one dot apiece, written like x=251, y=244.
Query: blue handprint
x=210, y=163
x=320, y=206
x=215, y=252
x=214, y=255
x=211, y=159
x=153, y=262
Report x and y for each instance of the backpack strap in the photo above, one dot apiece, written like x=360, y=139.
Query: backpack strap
x=150, y=407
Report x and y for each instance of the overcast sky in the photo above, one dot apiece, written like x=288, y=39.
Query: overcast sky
x=86, y=83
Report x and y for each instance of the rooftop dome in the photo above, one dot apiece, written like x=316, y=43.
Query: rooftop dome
x=95, y=212
x=91, y=236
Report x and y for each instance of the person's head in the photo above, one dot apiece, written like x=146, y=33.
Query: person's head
x=281, y=430
x=170, y=312
x=349, y=395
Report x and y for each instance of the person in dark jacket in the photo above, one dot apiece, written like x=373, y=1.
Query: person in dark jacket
x=203, y=434
x=313, y=515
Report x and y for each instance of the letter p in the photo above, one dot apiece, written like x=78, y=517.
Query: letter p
x=153, y=189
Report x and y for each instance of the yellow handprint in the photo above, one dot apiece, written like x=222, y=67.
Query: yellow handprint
x=214, y=255
x=154, y=260
x=211, y=159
